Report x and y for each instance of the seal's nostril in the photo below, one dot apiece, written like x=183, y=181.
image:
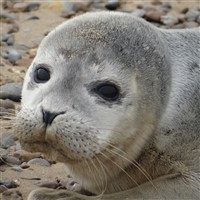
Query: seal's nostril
x=48, y=117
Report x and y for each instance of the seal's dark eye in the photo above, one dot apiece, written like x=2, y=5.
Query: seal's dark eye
x=108, y=92
x=41, y=75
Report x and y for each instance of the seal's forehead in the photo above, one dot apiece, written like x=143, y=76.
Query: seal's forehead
x=96, y=28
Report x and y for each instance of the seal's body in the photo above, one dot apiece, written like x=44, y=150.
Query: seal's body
x=118, y=101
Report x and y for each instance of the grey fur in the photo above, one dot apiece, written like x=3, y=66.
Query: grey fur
x=156, y=121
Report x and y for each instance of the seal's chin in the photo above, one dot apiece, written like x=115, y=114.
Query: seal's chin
x=49, y=151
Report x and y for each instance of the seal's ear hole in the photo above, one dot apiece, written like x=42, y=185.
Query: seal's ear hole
x=107, y=91
x=41, y=74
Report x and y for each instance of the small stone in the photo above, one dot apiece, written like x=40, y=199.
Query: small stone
x=31, y=178
x=39, y=161
x=169, y=20
x=24, y=165
x=3, y=188
x=191, y=24
x=13, y=29
x=152, y=16
x=32, y=53
x=198, y=19
x=150, y=9
x=10, y=41
x=138, y=13
x=6, y=37
x=14, y=56
x=48, y=183
x=6, y=141
x=12, y=195
x=156, y=2
x=25, y=62
x=8, y=104
x=71, y=8
x=192, y=15
x=179, y=26
x=11, y=159
x=11, y=91
x=112, y=4
x=3, y=152
x=20, y=7
x=9, y=184
x=98, y=4
x=32, y=18
x=32, y=6
x=26, y=156
x=9, y=18
x=184, y=10
x=165, y=7
x=17, y=169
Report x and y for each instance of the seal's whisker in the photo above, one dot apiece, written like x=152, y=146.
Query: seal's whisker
x=100, y=178
x=134, y=162
x=128, y=175
x=104, y=172
x=96, y=181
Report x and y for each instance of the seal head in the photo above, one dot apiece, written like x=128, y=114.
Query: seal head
x=97, y=88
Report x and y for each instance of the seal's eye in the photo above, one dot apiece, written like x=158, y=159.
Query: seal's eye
x=108, y=91
x=41, y=75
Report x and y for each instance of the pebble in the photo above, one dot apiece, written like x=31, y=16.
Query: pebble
x=32, y=18
x=3, y=188
x=8, y=38
x=39, y=161
x=71, y=8
x=112, y=4
x=8, y=104
x=11, y=91
x=32, y=6
x=31, y=178
x=11, y=159
x=14, y=56
x=24, y=165
x=198, y=19
x=14, y=28
x=12, y=195
x=26, y=156
x=192, y=15
x=9, y=184
x=17, y=169
x=169, y=20
x=156, y=2
x=11, y=40
x=153, y=16
x=32, y=53
x=6, y=141
x=138, y=13
x=3, y=151
x=98, y=4
x=179, y=26
x=48, y=183
x=9, y=18
x=184, y=10
x=20, y=7
x=165, y=7
x=191, y=24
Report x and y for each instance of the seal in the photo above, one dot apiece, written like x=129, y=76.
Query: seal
x=118, y=101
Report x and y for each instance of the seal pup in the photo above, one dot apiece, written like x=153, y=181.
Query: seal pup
x=118, y=101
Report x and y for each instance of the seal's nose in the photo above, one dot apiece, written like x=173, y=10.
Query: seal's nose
x=48, y=117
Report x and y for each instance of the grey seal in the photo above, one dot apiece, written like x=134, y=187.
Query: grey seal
x=118, y=100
